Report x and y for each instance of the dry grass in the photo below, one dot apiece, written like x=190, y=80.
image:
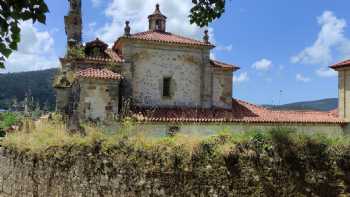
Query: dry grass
x=40, y=136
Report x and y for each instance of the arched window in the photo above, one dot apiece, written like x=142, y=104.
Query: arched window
x=158, y=24
x=96, y=52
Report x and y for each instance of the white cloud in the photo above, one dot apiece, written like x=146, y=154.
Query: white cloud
x=91, y=30
x=212, y=55
x=268, y=79
x=302, y=78
x=241, y=77
x=35, y=51
x=137, y=11
x=326, y=72
x=263, y=64
x=96, y=3
x=92, y=26
x=331, y=40
x=227, y=48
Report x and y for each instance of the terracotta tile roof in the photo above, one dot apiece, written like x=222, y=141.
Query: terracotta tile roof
x=222, y=65
x=96, y=43
x=342, y=64
x=97, y=59
x=115, y=56
x=165, y=37
x=110, y=57
x=103, y=74
x=241, y=112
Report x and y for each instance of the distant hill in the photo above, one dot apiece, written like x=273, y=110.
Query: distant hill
x=318, y=105
x=16, y=85
x=39, y=84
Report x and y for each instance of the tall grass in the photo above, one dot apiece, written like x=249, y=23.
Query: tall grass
x=40, y=136
x=279, y=162
x=37, y=137
x=43, y=136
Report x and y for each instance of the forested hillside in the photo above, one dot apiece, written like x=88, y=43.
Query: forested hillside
x=14, y=86
x=319, y=105
x=39, y=85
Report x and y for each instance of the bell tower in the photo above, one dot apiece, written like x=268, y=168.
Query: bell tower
x=73, y=23
x=157, y=21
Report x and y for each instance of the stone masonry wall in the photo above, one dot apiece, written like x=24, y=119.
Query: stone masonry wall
x=222, y=89
x=98, y=99
x=260, y=167
x=90, y=172
x=184, y=65
x=344, y=94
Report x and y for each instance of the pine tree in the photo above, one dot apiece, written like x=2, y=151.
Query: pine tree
x=29, y=105
x=14, y=105
x=46, y=107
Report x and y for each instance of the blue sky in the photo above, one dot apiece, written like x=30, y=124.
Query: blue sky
x=283, y=47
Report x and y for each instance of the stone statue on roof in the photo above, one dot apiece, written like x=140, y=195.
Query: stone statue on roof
x=75, y=6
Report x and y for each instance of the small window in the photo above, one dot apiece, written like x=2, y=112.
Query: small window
x=166, y=86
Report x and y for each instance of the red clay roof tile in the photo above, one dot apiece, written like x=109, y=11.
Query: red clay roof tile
x=342, y=64
x=115, y=56
x=103, y=74
x=241, y=112
x=222, y=65
x=109, y=57
x=166, y=37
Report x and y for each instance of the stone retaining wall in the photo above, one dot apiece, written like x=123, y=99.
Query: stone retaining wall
x=213, y=168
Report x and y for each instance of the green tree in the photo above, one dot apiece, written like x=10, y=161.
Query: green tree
x=204, y=12
x=12, y=12
x=6, y=121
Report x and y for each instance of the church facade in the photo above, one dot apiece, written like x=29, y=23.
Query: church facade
x=165, y=81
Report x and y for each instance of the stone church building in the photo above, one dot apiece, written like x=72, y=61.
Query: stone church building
x=167, y=81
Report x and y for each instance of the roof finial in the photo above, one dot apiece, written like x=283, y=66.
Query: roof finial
x=206, y=36
x=157, y=10
x=127, y=29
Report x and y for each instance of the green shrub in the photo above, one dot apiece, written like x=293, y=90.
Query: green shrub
x=2, y=133
x=76, y=52
x=6, y=121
